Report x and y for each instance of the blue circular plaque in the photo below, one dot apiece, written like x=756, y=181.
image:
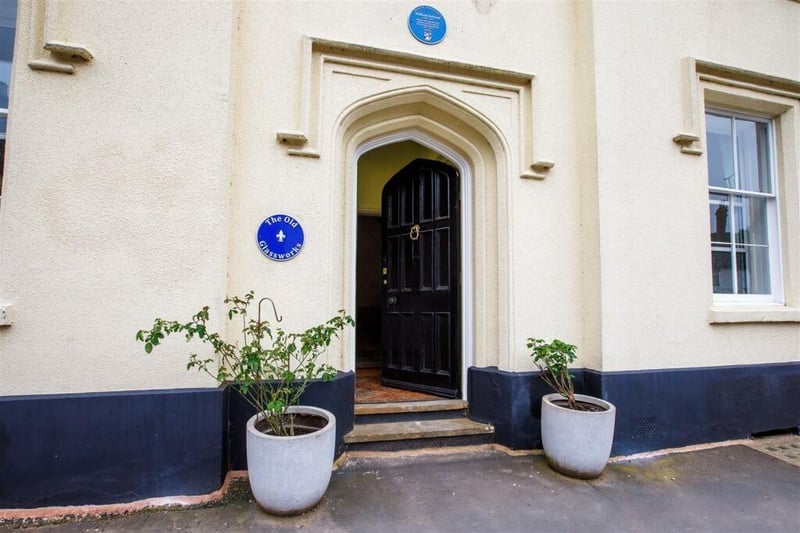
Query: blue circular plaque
x=280, y=237
x=427, y=25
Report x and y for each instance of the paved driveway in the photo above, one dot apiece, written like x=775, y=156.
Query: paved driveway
x=726, y=489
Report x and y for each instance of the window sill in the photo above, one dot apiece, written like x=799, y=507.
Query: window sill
x=720, y=314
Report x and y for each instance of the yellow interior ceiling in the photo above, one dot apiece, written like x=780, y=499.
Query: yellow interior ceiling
x=377, y=166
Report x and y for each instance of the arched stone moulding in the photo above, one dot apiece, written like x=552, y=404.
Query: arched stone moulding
x=355, y=98
x=432, y=119
x=335, y=74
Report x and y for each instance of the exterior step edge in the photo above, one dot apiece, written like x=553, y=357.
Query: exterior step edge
x=425, y=429
x=409, y=407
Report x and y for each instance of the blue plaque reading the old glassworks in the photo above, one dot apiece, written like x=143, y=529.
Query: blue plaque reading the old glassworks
x=280, y=237
x=427, y=25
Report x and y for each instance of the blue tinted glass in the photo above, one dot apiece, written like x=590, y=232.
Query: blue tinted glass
x=8, y=20
x=5, y=77
x=719, y=146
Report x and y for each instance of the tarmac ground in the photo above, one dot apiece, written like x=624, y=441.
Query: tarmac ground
x=739, y=487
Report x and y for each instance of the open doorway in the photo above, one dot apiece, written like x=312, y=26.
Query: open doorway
x=368, y=292
x=374, y=359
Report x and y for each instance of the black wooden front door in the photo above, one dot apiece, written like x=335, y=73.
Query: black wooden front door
x=420, y=312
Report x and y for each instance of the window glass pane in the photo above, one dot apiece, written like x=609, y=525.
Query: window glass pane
x=718, y=213
x=752, y=155
x=752, y=267
x=721, y=270
x=738, y=151
x=751, y=220
x=8, y=19
x=719, y=148
x=8, y=22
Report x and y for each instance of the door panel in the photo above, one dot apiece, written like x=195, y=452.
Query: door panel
x=421, y=260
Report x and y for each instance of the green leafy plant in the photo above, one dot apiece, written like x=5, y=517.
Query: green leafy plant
x=553, y=360
x=271, y=367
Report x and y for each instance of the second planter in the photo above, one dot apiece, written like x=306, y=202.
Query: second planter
x=577, y=443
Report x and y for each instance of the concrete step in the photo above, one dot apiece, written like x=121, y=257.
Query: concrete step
x=409, y=407
x=418, y=434
x=369, y=413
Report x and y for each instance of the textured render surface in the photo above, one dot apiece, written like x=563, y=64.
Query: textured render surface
x=115, y=196
x=731, y=489
x=653, y=216
x=140, y=198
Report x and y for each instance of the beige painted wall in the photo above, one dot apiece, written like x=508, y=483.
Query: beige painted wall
x=653, y=221
x=115, y=199
x=135, y=186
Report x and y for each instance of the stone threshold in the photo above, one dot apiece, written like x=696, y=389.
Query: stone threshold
x=409, y=407
x=417, y=429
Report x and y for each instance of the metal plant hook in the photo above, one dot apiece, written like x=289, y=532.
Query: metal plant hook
x=274, y=310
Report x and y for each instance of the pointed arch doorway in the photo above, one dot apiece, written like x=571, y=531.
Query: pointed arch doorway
x=409, y=298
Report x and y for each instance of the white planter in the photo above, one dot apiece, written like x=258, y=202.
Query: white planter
x=289, y=475
x=577, y=443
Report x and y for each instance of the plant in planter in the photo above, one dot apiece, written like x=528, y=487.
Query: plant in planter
x=290, y=448
x=577, y=430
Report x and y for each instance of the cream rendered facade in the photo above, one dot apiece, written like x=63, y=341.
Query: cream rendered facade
x=134, y=186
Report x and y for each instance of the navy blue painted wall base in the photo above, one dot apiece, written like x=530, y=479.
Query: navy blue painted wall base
x=669, y=408
x=126, y=446
x=109, y=448
x=510, y=401
x=655, y=408
x=78, y=449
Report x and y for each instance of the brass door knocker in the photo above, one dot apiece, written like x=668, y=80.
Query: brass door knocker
x=414, y=233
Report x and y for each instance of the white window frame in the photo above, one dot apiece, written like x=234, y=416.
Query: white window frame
x=4, y=110
x=3, y=135
x=773, y=214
